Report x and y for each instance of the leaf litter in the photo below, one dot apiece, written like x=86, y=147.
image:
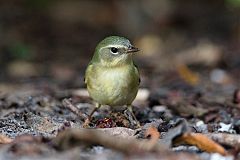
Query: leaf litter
x=180, y=120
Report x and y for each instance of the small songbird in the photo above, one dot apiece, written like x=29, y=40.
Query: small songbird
x=111, y=77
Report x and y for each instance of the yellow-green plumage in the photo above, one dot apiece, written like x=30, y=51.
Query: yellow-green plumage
x=114, y=86
x=112, y=78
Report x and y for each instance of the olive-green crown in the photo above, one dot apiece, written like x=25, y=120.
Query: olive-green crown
x=113, y=40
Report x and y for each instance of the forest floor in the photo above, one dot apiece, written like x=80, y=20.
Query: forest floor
x=43, y=120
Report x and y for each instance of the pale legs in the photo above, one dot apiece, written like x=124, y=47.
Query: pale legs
x=132, y=118
x=88, y=120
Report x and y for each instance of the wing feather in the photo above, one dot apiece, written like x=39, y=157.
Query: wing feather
x=137, y=72
x=88, y=70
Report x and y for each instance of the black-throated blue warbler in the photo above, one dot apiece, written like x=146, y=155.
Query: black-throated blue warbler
x=111, y=77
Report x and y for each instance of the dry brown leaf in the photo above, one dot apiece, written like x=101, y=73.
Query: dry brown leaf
x=187, y=75
x=4, y=139
x=202, y=142
x=154, y=135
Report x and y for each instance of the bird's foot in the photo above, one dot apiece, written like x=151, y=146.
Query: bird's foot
x=86, y=123
x=88, y=120
x=134, y=123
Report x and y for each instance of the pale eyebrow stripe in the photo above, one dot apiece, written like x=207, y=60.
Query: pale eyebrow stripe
x=116, y=46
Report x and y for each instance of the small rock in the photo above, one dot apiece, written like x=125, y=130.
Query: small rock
x=226, y=128
x=159, y=108
x=201, y=127
x=216, y=156
x=220, y=76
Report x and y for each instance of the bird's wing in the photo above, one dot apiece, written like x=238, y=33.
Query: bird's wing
x=137, y=72
x=88, y=70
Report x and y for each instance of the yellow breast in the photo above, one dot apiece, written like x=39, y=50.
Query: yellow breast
x=114, y=86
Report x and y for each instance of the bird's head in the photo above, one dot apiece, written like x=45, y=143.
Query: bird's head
x=114, y=51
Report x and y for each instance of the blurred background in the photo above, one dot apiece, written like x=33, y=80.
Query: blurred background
x=186, y=44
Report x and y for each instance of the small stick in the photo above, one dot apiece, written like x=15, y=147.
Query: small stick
x=73, y=108
x=232, y=140
x=92, y=136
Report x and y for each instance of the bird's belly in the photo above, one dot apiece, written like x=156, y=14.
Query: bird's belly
x=114, y=88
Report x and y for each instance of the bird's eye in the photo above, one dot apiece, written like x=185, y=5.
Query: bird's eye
x=114, y=50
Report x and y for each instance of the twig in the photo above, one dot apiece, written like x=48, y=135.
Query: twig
x=93, y=136
x=73, y=108
x=231, y=140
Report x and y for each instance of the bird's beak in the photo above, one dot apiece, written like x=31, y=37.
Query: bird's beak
x=132, y=49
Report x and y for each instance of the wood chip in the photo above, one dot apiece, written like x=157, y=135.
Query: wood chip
x=4, y=139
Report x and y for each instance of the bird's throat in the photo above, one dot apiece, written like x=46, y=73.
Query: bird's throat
x=117, y=62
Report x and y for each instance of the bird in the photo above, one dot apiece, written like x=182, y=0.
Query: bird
x=111, y=77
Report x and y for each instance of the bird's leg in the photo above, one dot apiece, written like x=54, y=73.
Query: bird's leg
x=129, y=107
x=94, y=110
x=88, y=120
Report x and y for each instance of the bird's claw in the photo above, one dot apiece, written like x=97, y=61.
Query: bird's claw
x=134, y=123
x=86, y=123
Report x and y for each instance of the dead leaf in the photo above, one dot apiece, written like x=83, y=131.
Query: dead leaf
x=187, y=75
x=202, y=142
x=105, y=123
x=154, y=135
x=4, y=139
x=181, y=134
